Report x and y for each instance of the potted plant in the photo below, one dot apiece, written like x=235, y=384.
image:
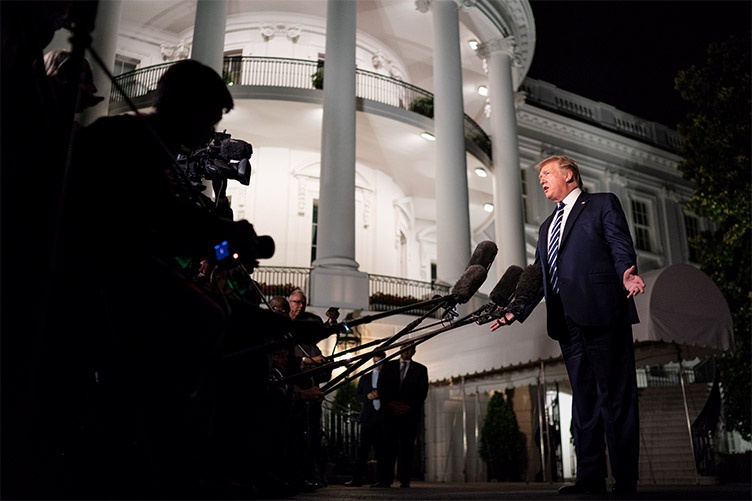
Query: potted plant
x=422, y=105
x=317, y=78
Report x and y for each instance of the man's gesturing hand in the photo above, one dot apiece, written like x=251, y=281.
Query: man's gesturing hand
x=633, y=283
x=507, y=318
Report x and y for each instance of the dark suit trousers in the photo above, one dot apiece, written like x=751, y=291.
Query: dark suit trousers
x=399, y=434
x=370, y=436
x=601, y=368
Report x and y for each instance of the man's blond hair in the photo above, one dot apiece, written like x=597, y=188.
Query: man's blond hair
x=564, y=163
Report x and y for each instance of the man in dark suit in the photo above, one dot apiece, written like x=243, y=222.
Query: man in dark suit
x=589, y=277
x=369, y=419
x=402, y=387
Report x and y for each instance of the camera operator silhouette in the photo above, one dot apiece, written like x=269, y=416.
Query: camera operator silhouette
x=140, y=369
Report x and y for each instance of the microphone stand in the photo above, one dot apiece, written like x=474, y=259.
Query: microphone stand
x=473, y=317
x=288, y=339
x=409, y=327
x=377, y=316
x=377, y=341
x=308, y=373
x=342, y=363
x=437, y=302
x=469, y=278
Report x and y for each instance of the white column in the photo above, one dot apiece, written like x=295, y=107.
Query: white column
x=335, y=279
x=508, y=223
x=208, y=45
x=452, y=200
x=104, y=42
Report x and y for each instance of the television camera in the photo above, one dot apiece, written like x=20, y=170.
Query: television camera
x=225, y=158
x=222, y=159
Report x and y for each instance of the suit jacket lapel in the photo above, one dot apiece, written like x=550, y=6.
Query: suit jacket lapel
x=579, y=205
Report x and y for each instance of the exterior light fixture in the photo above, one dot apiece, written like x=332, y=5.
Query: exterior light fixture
x=483, y=90
x=427, y=136
x=481, y=172
x=473, y=44
x=488, y=207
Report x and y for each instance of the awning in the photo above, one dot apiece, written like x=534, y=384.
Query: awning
x=682, y=314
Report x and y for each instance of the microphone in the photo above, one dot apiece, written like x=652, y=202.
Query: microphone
x=468, y=284
x=527, y=289
x=502, y=294
x=483, y=255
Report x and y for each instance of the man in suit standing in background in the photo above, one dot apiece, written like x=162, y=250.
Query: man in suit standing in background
x=588, y=268
x=402, y=387
x=369, y=420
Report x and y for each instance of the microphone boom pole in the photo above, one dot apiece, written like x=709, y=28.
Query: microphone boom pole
x=384, y=345
x=467, y=320
x=396, y=311
x=465, y=287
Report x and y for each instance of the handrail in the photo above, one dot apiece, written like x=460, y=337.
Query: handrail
x=386, y=293
x=704, y=430
x=548, y=96
x=305, y=74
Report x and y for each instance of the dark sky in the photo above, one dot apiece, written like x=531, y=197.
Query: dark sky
x=627, y=53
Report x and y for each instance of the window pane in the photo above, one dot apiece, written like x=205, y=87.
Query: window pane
x=641, y=221
x=692, y=229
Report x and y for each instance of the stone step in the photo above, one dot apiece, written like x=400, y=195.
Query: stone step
x=666, y=457
x=678, y=434
x=663, y=463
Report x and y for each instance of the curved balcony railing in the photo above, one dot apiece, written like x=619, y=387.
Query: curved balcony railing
x=385, y=293
x=306, y=74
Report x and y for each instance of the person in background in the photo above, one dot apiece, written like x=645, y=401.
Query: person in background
x=369, y=420
x=403, y=388
x=310, y=355
x=307, y=420
x=273, y=446
x=589, y=279
x=279, y=304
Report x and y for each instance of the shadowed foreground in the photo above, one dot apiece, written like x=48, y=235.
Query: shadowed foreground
x=522, y=491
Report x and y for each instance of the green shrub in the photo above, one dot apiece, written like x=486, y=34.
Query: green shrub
x=317, y=78
x=422, y=105
x=345, y=396
x=501, y=443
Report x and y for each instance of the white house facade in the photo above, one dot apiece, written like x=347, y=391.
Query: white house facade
x=347, y=187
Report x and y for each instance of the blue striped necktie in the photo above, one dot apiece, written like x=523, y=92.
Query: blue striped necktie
x=553, y=247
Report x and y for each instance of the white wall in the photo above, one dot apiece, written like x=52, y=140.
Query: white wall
x=279, y=200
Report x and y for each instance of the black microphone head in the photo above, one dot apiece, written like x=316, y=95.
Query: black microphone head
x=529, y=283
x=502, y=294
x=469, y=283
x=484, y=254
